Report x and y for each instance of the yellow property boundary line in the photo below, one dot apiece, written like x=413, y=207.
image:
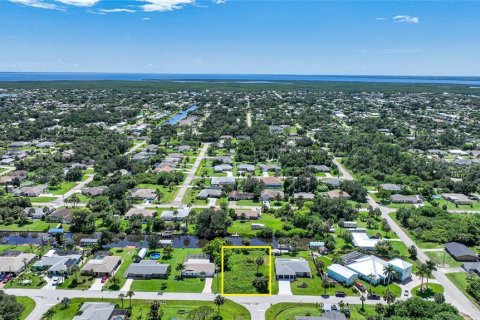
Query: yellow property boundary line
x=270, y=268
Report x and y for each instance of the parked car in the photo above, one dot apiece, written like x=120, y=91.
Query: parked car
x=406, y=293
x=55, y=280
x=104, y=279
x=7, y=277
x=340, y=294
x=2, y=276
x=373, y=296
x=334, y=307
x=360, y=286
x=346, y=312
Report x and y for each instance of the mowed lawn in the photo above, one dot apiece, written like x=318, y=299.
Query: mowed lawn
x=288, y=311
x=28, y=303
x=127, y=255
x=443, y=258
x=241, y=270
x=63, y=188
x=173, y=309
x=245, y=228
x=33, y=225
x=174, y=283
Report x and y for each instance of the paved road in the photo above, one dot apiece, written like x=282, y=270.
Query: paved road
x=191, y=175
x=45, y=299
x=452, y=294
x=8, y=170
x=60, y=199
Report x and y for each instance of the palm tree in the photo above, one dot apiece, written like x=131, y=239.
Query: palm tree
x=219, y=301
x=259, y=262
x=362, y=298
x=421, y=271
x=325, y=284
x=430, y=266
x=121, y=296
x=389, y=297
x=389, y=272
x=130, y=294
x=379, y=308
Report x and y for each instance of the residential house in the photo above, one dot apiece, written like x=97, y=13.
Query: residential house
x=304, y=196
x=58, y=262
x=271, y=182
x=101, y=266
x=320, y=168
x=219, y=182
x=337, y=193
x=269, y=167
x=63, y=215
x=30, y=191
x=268, y=195
x=399, y=198
x=333, y=182
x=144, y=194
x=237, y=195
x=403, y=268
x=175, y=215
x=327, y=315
x=457, y=198
x=245, y=168
x=460, y=252
x=100, y=311
x=246, y=215
x=257, y=226
x=198, y=265
x=369, y=268
x=342, y=274
x=148, y=269
x=209, y=193
x=391, y=187
x=222, y=168
x=94, y=191
x=15, y=262
x=292, y=268
x=361, y=239
x=139, y=212
x=38, y=213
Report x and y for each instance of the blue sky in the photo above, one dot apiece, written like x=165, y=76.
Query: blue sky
x=241, y=36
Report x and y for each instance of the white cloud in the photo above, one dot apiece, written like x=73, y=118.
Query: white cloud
x=380, y=19
x=219, y=1
x=117, y=10
x=407, y=19
x=146, y=18
x=36, y=4
x=165, y=5
x=399, y=51
x=80, y=3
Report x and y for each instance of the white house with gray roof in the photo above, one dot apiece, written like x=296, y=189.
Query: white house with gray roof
x=291, y=269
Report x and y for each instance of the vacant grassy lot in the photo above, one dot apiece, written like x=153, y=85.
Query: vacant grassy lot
x=42, y=199
x=174, y=283
x=242, y=269
x=172, y=309
x=245, y=228
x=63, y=188
x=28, y=304
x=288, y=311
x=33, y=225
x=442, y=258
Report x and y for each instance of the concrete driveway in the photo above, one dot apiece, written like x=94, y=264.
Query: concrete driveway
x=97, y=285
x=284, y=288
x=126, y=286
x=208, y=285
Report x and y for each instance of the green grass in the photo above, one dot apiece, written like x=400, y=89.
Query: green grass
x=245, y=228
x=63, y=188
x=83, y=282
x=451, y=206
x=174, y=283
x=127, y=259
x=459, y=279
x=191, y=197
x=242, y=270
x=443, y=258
x=249, y=203
x=89, y=171
x=429, y=292
x=42, y=199
x=140, y=308
x=37, y=281
x=167, y=195
x=288, y=311
x=36, y=225
x=28, y=303
x=421, y=244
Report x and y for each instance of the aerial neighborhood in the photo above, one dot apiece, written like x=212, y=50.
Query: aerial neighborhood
x=194, y=196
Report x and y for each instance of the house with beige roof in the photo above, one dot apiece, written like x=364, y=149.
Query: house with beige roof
x=101, y=266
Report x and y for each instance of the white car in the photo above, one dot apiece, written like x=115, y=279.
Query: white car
x=55, y=280
x=406, y=293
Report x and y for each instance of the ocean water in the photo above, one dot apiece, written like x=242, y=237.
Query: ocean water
x=240, y=78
